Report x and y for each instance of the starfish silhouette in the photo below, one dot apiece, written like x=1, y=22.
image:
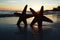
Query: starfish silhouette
x=38, y=17
x=23, y=16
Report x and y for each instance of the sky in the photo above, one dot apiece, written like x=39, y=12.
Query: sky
x=35, y=4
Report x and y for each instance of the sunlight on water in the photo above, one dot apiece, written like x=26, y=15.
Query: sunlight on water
x=35, y=28
x=8, y=20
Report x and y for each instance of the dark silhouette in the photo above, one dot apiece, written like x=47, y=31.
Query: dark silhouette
x=39, y=18
x=23, y=16
x=56, y=9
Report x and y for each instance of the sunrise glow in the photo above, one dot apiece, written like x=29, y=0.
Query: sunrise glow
x=35, y=4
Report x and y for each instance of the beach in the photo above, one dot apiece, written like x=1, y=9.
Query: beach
x=10, y=31
x=29, y=19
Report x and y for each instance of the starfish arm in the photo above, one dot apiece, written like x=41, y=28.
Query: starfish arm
x=34, y=21
x=18, y=22
x=34, y=13
x=41, y=11
x=47, y=19
x=29, y=15
x=24, y=10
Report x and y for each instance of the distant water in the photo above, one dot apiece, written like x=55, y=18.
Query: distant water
x=11, y=12
x=6, y=12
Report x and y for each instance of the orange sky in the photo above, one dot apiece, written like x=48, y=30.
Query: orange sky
x=35, y=4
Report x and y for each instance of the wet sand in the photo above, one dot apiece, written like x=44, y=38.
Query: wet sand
x=12, y=32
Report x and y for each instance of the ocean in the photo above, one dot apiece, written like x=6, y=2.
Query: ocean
x=10, y=31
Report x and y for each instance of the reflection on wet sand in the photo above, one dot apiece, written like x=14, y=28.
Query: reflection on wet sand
x=37, y=35
x=27, y=35
x=22, y=32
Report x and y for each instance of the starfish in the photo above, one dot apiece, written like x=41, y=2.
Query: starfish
x=23, y=16
x=39, y=18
